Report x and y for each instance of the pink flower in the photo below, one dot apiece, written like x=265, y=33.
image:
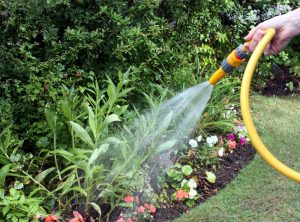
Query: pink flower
x=77, y=217
x=141, y=209
x=243, y=140
x=232, y=145
x=231, y=137
x=152, y=209
x=120, y=219
x=137, y=199
x=180, y=194
x=128, y=220
x=128, y=199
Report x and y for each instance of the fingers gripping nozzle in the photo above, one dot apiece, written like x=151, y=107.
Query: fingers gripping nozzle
x=233, y=60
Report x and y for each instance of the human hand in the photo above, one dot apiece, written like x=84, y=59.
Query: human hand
x=287, y=27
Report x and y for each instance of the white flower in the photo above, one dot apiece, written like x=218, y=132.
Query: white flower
x=192, y=184
x=192, y=193
x=221, y=152
x=199, y=138
x=212, y=140
x=193, y=143
x=183, y=182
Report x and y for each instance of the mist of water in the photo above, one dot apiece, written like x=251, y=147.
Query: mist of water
x=173, y=120
x=156, y=134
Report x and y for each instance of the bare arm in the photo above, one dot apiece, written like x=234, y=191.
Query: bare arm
x=287, y=26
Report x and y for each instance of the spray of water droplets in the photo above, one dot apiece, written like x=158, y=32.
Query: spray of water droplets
x=155, y=134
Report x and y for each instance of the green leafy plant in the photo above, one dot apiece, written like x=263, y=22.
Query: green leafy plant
x=178, y=172
x=15, y=206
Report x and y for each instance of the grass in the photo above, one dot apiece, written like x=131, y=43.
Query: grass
x=260, y=193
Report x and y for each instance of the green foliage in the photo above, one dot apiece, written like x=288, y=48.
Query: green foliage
x=48, y=43
x=187, y=170
x=211, y=177
x=221, y=110
x=16, y=207
x=73, y=131
x=178, y=172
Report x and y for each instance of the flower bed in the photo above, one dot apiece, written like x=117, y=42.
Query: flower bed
x=193, y=178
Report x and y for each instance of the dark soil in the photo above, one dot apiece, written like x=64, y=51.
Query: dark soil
x=228, y=168
x=278, y=83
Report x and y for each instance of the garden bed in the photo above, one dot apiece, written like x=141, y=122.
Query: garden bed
x=282, y=83
x=228, y=169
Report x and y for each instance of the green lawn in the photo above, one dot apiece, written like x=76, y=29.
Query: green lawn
x=260, y=193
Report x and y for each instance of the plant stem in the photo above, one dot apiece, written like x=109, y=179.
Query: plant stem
x=38, y=183
x=55, y=159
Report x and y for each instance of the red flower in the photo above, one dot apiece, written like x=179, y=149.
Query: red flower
x=128, y=199
x=180, y=194
x=141, y=209
x=77, y=217
x=152, y=209
x=232, y=145
x=51, y=218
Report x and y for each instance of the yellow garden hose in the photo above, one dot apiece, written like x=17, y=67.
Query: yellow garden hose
x=245, y=108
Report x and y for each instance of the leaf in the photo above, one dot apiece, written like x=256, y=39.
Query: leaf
x=82, y=134
x=43, y=142
x=96, y=207
x=113, y=140
x=210, y=177
x=15, y=157
x=3, y=173
x=18, y=185
x=65, y=186
x=63, y=153
x=190, y=203
x=78, y=189
x=166, y=146
x=51, y=118
x=5, y=210
x=187, y=170
x=42, y=175
x=111, y=90
x=91, y=120
x=165, y=123
x=112, y=118
x=102, y=149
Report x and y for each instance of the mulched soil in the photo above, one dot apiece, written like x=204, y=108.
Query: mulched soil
x=228, y=168
x=277, y=84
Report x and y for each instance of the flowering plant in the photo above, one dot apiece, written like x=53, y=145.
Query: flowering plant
x=135, y=210
x=238, y=136
x=187, y=192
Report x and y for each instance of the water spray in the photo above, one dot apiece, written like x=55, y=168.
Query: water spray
x=235, y=58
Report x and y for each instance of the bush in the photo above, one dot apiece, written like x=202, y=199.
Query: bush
x=48, y=43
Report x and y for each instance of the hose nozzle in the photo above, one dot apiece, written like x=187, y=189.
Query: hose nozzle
x=233, y=60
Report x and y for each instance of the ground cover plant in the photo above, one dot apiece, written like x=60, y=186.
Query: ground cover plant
x=75, y=76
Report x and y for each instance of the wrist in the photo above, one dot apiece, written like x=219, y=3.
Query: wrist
x=293, y=19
